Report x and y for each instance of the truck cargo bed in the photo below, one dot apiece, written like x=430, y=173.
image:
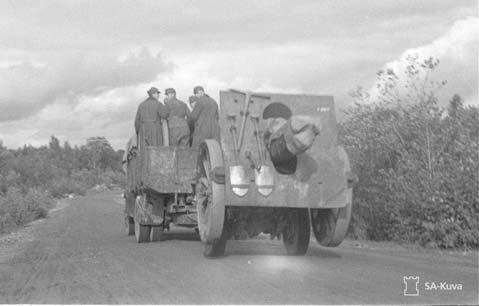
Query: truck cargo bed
x=162, y=169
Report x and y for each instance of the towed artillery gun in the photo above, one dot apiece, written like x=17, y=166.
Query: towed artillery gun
x=242, y=186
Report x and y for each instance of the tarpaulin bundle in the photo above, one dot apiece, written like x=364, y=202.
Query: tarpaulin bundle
x=285, y=139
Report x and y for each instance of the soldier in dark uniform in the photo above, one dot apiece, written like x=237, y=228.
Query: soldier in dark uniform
x=148, y=120
x=204, y=117
x=179, y=131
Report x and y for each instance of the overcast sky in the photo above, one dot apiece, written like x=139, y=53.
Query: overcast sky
x=76, y=69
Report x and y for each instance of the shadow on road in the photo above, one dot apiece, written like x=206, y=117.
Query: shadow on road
x=323, y=253
x=181, y=236
x=263, y=248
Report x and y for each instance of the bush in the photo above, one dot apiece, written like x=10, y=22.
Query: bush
x=57, y=170
x=412, y=191
x=115, y=178
x=422, y=189
x=417, y=162
x=60, y=187
x=17, y=208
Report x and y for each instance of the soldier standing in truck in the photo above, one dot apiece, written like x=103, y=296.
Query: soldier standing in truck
x=204, y=117
x=148, y=118
x=179, y=131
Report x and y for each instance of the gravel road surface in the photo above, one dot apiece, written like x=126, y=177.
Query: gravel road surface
x=80, y=254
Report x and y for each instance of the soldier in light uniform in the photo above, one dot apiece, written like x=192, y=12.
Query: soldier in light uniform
x=179, y=131
x=148, y=118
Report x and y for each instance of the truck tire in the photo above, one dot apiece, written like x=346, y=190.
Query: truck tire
x=129, y=225
x=157, y=233
x=330, y=225
x=142, y=232
x=210, y=199
x=297, y=232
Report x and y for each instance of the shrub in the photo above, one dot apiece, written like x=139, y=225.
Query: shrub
x=418, y=174
x=60, y=187
x=17, y=208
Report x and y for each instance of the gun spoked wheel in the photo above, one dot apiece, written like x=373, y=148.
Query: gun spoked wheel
x=210, y=198
x=330, y=225
x=297, y=231
x=129, y=225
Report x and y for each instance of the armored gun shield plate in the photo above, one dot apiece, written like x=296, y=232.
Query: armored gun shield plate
x=317, y=180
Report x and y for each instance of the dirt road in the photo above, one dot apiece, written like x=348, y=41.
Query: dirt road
x=80, y=254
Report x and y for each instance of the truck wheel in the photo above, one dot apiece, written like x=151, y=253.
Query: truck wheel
x=210, y=198
x=157, y=233
x=129, y=225
x=297, y=232
x=142, y=232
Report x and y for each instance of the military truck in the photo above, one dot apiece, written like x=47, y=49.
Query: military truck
x=239, y=188
x=160, y=182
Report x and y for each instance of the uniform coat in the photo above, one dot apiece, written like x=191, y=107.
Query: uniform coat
x=148, y=122
x=205, y=118
x=179, y=131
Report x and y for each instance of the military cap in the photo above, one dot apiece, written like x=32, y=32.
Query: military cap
x=198, y=88
x=170, y=90
x=153, y=90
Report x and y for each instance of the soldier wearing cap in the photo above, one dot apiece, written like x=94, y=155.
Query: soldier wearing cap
x=148, y=118
x=204, y=117
x=179, y=131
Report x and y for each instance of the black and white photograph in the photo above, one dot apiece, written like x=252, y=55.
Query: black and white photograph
x=226, y=152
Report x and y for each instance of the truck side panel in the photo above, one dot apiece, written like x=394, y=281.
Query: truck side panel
x=163, y=169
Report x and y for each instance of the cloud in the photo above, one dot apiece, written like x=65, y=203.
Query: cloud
x=26, y=88
x=111, y=112
x=457, y=50
x=108, y=114
x=65, y=67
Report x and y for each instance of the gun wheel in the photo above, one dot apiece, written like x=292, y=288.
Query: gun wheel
x=297, y=231
x=210, y=198
x=330, y=225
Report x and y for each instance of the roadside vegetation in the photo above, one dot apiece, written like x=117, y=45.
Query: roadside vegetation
x=417, y=162
x=32, y=178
